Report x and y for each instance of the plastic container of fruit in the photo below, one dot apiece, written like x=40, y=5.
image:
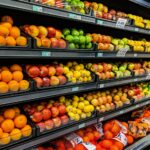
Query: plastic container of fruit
x=28, y=46
x=33, y=134
x=88, y=12
x=11, y=93
x=62, y=86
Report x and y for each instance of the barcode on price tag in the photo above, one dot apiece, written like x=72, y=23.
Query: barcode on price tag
x=121, y=22
x=122, y=52
x=37, y=8
x=89, y=146
x=121, y=138
x=74, y=16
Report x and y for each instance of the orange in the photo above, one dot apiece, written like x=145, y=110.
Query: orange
x=15, y=67
x=90, y=136
x=18, y=76
x=17, y=111
x=38, y=42
x=130, y=139
x=86, y=139
x=107, y=126
x=113, y=147
x=14, y=32
x=7, y=125
x=26, y=131
x=115, y=129
x=4, y=68
x=0, y=77
x=5, y=139
x=7, y=19
x=1, y=119
x=6, y=76
x=13, y=86
x=15, y=134
x=2, y=41
x=4, y=31
x=79, y=147
x=21, y=41
x=10, y=41
x=4, y=88
x=9, y=113
x=80, y=133
x=106, y=143
x=119, y=145
x=20, y=121
x=108, y=135
x=1, y=132
x=24, y=85
x=7, y=25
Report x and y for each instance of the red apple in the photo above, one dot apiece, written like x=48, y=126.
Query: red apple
x=56, y=104
x=54, y=42
x=41, y=125
x=46, y=81
x=57, y=122
x=51, y=71
x=59, y=70
x=49, y=124
x=105, y=15
x=51, y=32
x=46, y=114
x=64, y=119
x=39, y=81
x=62, y=109
x=110, y=16
x=62, y=43
x=54, y=81
x=112, y=12
x=58, y=34
x=62, y=79
x=49, y=105
x=37, y=117
x=54, y=111
x=40, y=107
x=33, y=71
x=43, y=71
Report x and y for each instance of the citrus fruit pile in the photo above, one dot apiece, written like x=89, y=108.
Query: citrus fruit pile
x=10, y=35
x=13, y=125
x=12, y=79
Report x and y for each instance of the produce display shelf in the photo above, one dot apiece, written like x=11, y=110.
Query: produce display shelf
x=48, y=137
x=36, y=8
x=65, y=90
x=51, y=54
x=140, y=144
x=143, y=3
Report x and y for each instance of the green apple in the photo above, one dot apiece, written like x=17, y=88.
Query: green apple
x=131, y=66
x=77, y=46
x=72, y=46
x=74, y=32
x=69, y=38
x=88, y=39
x=66, y=31
x=89, y=46
x=122, y=68
x=82, y=39
x=76, y=39
x=125, y=40
x=115, y=41
x=81, y=32
x=82, y=46
x=127, y=73
x=115, y=68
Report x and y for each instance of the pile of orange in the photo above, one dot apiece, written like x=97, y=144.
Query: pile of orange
x=13, y=126
x=11, y=79
x=10, y=35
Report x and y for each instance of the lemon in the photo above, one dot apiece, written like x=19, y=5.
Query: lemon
x=81, y=79
x=81, y=66
x=85, y=79
x=86, y=102
x=62, y=99
x=83, y=115
x=69, y=108
x=66, y=70
x=81, y=98
x=68, y=103
x=74, y=80
x=69, y=64
x=76, y=74
x=79, y=111
x=89, y=114
x=75, y=63
x=75, y=104
x=75, y=98
x=77, y=68
x=91, y=108
x=87, y=109
x=81, y=105
x=89, y=78
x=74, y=110
x=77, y=117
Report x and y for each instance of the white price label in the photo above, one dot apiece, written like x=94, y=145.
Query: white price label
x=100, y=22
x=135, y=80
x=148, y=76
x=121, y=112
x=89, y=146
x=121, y=138
x=81, y=125
x=101, y=86
x=99, y=54
x=136, y=29
x=99, y=128
x=46, y=53
x=37, y=8
x=135, y=55
x=121, y=22
x=74, y=16
x=74, y=89
x=122, y=52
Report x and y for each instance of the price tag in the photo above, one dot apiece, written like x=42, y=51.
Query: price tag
x=81, y=125
x=37, y=8
x=101, y=86
x=74, y=89
x=121, y=22
x=148, y=76
x=89, y=146
x=99, y=128
x=136, y=29
x=122, y=52
x=135, y=80
x=149, y=31
x=121, y=138
x=101, y=119
x=135, y=55
x=147, y=103
x=74, y=16
x=121, y=112
x=99, y=54
x=46, y=53
x=100, y=22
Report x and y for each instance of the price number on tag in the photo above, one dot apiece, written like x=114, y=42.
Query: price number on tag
x=121, y=138
x=122, y=52
x=74, y=16
x=74, y=89
x=121, y=23
x=46, y=53
x=81, y=125
x=100, y=22
x=37, y=8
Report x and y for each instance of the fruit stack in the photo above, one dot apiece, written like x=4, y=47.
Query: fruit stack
x=47, y=115
x=146, y=66
x=13, y=125
x=137, y=69
x=10, y=35
x=77, y=39
x=47, y=37
x=12, y=79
